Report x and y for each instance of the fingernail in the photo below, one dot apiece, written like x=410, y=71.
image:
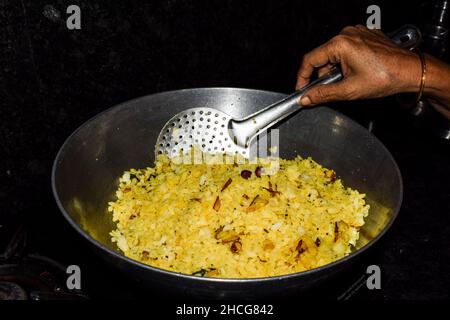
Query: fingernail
x=300, y=84
x=305, y=101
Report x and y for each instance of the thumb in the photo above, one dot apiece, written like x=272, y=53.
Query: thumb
x=326, y=93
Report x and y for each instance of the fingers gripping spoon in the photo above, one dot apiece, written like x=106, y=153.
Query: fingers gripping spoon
x=214, y=131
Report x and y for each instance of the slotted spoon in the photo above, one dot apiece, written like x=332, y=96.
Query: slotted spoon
x=214, y=131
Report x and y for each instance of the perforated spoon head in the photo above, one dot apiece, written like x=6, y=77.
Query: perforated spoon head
x=205, y=128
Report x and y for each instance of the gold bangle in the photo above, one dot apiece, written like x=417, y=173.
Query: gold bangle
x=424, y=73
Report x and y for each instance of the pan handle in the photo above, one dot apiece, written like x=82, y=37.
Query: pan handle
x=407, y=36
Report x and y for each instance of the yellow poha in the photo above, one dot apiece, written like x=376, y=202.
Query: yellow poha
x=231, y=221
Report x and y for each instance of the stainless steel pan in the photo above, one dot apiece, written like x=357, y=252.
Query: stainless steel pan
x=86, y=171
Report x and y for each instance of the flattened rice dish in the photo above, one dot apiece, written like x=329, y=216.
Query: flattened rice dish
x=234, y=221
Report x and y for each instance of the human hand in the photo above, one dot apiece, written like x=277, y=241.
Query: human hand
x=372, y=65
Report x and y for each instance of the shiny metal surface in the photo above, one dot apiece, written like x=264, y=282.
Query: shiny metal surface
x=245, y=130
x=407, y=36
x=212, y=130
x=206, y=128
x=87, y=168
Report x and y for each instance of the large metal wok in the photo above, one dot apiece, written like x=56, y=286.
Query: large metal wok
x=86, y=171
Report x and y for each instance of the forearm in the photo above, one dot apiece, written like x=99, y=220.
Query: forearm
x=437, y=83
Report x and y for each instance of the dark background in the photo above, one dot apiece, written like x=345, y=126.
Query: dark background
x=53, y=79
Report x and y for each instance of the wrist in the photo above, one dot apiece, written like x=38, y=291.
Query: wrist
x=438, y=75
x=411, y=73
x=436, y=84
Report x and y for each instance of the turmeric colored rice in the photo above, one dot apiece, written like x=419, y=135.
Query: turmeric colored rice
x=234, y=221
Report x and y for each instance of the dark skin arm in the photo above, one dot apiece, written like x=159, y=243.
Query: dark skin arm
x=373, y=67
